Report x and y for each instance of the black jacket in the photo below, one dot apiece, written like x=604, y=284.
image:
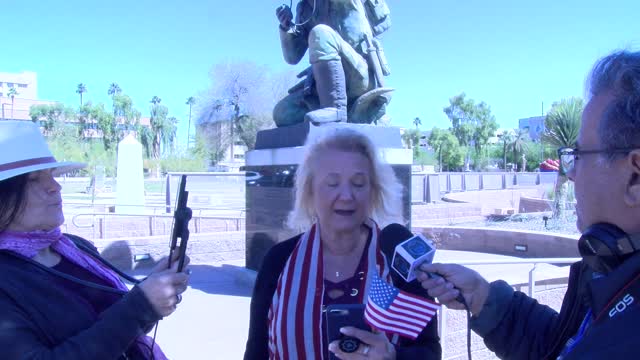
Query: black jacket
x=38, y=322
x=425, y=347
x=516, y=326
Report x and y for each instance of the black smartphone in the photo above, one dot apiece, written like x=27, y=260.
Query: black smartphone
x=341, y=315
x=181, y=218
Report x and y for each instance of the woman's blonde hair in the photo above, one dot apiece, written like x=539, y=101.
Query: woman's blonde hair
x=386, y=191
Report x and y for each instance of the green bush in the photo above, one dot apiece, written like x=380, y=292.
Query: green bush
x=66, y=146
x=182, y=163
x=422, y=157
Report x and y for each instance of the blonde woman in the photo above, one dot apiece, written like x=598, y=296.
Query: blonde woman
x=343, y=194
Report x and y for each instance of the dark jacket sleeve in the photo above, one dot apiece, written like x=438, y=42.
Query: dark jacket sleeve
x=515, y=326
x=263, y=290
x=108, y=338
x=427, y=345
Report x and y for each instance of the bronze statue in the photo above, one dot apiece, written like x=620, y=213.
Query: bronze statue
x=345, y=81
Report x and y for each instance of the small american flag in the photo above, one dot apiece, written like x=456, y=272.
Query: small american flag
x=394, y=311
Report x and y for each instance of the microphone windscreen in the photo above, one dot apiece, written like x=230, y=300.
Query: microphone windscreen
x=391, y=236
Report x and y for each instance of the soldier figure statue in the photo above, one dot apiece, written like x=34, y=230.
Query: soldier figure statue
x=345, y=79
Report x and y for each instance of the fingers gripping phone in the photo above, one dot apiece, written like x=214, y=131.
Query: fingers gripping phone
x=341, y=315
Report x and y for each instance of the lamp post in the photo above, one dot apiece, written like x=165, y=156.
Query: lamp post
x=541, y=135
x=3, y=104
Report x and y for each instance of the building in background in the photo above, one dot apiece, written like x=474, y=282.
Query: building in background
x=534, y=125
x=217, y=135
x=424, y=136
x=26, y=83
x=422, y=142
x=26, y=87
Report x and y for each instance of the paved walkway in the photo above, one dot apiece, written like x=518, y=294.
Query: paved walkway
x=213, y=319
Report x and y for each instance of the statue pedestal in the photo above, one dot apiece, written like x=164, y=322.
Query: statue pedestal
x=270, y=170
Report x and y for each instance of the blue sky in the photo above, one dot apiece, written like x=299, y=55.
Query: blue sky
x=514, y=55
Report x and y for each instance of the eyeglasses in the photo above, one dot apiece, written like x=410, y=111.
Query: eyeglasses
x=568, y=156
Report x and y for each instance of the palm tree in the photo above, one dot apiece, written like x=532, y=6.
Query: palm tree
x=84, y=113
x=190, y=101
x=158, y=124
x=518, y=143
x=563, y=122
x=155, y=127
x=12, y=94
x=114, y=89
x=169, y=133
x=146, y=139
x=81, y=89
x=507, y=139
x=155, y=100
x=436, y=141
x=417, y=122
x=561, y=130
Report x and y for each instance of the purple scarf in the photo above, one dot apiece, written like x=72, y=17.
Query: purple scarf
x=28, y=244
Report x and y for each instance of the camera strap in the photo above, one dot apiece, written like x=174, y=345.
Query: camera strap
x=627, y=297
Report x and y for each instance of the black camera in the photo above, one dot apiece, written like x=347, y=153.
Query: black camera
x=349, y=344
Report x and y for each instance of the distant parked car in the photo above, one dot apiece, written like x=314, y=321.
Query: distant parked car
x=251, y=177
x=270, y=178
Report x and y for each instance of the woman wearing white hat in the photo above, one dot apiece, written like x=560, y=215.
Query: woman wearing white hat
x=58, y=298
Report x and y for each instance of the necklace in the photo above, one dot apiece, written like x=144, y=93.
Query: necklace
x=359, y=273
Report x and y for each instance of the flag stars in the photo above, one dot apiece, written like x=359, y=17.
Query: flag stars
x=393, y=311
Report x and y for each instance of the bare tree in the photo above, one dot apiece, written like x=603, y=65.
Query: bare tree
x=212, y=140
x=242, y=94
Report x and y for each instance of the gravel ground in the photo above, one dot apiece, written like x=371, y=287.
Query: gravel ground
x=533, y=222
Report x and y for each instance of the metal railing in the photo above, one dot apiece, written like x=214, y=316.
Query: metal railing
x=102, y=221
x=172, y=179
x=442, y=320
x=157, y=209
x=429, y=187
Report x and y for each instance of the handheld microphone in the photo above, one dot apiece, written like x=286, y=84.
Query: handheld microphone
x=405, y=251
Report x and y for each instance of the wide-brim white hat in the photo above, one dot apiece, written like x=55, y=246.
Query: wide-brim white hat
x=23, y=149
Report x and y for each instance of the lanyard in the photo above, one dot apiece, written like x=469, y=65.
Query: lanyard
x=572, y=342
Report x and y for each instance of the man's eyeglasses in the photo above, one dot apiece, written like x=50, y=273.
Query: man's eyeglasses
x=568, y=155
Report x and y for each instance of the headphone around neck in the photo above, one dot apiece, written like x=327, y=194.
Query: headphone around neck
x=604, y=247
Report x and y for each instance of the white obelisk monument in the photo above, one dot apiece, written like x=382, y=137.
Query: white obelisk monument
x=130, y=181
